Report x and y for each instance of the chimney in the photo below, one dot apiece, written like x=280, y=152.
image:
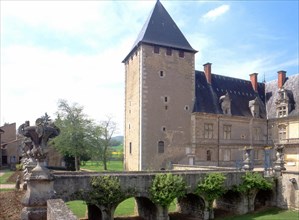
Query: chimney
x=253, y=79
x=281, y=78
x=208, y=71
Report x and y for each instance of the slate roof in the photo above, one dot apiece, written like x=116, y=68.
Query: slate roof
x=292, y=86
x=160, y=29
x=240, y=91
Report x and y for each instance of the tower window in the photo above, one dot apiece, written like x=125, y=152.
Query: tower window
x=163, y=128
x=181, y=54
x=186, y=107
x=209, y=155
x=156, y=49
x=165, y=99
x=162, y=74
x=161, y=147
x=130, y=147
x=169, y=51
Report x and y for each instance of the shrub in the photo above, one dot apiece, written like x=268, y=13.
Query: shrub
x=212, y=187
x=253, y=180
x=166, y=187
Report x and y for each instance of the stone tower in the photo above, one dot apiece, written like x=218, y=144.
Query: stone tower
x=159, y=94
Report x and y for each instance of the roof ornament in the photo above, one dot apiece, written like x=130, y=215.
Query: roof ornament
x=225, y=102
x=254, y=107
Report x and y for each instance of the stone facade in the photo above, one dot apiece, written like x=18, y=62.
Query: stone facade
x=152, y=101
x=10, y=145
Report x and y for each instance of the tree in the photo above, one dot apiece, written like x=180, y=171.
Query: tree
x=211, y=188
x=108, y=129
x=75, y=129
x=166, y=187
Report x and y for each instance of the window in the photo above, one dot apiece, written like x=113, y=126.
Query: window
x=181, y=54
x=130, y=147
x=161, y=147
x=162, y=74
x=257, y=134
x=208, y=131
x=281, y=111
x=186, y=107
x=165, y=99
x=156, y=49
x=163, y=128
x=166, y=107
x=209, y=155
x=227, y=129
x=169, y=51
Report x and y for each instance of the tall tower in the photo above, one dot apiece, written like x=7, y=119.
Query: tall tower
x=159, y=94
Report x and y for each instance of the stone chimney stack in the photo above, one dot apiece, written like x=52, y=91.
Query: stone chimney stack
x=208, y=72
x=253, y=79
x=281, y=78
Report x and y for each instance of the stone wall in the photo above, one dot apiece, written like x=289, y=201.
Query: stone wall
x=58, y=210
x=288, y=190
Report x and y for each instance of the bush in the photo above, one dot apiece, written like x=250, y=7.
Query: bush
x=166, y=187
x=253, y=180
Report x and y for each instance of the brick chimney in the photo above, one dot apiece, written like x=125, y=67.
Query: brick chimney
x=253, y=79
x=281, y=78
x=208, y=72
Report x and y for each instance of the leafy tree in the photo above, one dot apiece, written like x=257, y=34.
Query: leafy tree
x=253, y=181
x=108, y=129
x=211, y=188
x=166, y=187
x=75, y=129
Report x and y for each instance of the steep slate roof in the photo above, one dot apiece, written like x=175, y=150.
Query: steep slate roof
x=240, y=92
x=160, y=29
x=291, y=85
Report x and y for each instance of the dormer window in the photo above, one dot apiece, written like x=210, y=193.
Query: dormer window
x=282, y=104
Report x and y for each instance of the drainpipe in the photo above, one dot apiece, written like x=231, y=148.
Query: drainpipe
x=218, y=141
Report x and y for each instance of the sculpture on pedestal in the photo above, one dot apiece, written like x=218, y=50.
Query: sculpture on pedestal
x=39, y=181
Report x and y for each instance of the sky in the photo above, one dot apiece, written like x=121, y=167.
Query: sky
x=73, y=50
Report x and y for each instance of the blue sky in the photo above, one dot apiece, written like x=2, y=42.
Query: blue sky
x=72, y=50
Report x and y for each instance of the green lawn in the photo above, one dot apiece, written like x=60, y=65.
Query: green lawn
x=113, y=165
x=269, y=214
x=125, y=208
x=7, y=174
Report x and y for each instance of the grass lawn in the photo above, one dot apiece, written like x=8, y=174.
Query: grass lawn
x=113, y=165
x=7, y=174
x=125, y=208
x=269, y=214
x=78, y=207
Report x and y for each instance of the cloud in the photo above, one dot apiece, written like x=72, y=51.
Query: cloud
x=215, y=13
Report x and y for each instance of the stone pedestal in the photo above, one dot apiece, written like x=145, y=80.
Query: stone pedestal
x=39, y=190
x=279, y=163
x=247, y=163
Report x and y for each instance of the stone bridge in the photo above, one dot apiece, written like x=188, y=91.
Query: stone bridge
x=67, y=186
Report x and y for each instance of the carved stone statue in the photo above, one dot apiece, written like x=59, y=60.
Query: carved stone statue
x=37, y=137
x=225, y=104
x=254, y=108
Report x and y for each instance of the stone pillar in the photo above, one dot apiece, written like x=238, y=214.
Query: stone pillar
x=247, y=163
x=39, y=190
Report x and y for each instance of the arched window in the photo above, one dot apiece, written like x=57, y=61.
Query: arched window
x=209, y=155
x=161, y=147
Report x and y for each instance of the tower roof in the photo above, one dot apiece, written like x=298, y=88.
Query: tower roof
x=160, y=29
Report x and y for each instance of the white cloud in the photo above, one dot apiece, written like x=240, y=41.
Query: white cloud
x=215, y=13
